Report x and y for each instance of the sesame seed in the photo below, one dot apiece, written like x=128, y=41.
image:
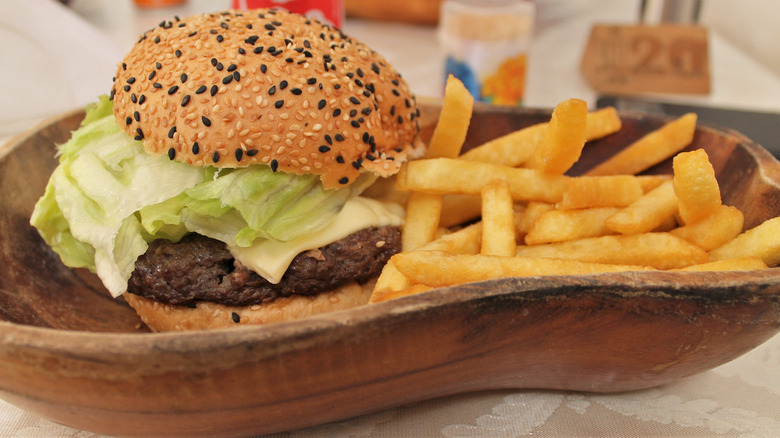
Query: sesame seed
x=214, y=62
x=205, y=120
x=279, y=103
x=223, y=25
x=151, y=75
x=173, y=89
x=360, y=72
x=140, y=134
x=157, y=85
x=296, y=91
x=232, y=67
x=237, y=76
x=128, y=120
x=133, y=98
x=272, y=90
x=252, y=152
x=214, y=89
x=355, y=124
x=252, y=40
x=321, y=104
x=157, y=65
x=236, y=318
x=157, y=39
x=215, y=157
x=183, y=77
x=274, y=165
x=258, y=49
x=171, y=132
x=344, y=180
x=185, y=100
x=195, y=148
x=339, y=137
x=311, y=81
x=177, y=53
x=141, y=99
x=354, y=100
x=329, y=139
x=126, y=88
x=353, y=113
x=202, y=89
x=131, y=80
x=270, y=26
x=282, y=85
x=220, y=66
x=227, y=79
x=239, y=154
x=263, y=68
x=137, y=116
x=171, y=153
x=324, y=149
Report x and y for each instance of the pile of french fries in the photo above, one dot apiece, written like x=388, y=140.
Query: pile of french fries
x=525, y=217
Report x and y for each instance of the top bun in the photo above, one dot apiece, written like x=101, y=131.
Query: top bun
x=268, y=87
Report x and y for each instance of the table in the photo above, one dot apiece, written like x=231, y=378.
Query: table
x=738, y=399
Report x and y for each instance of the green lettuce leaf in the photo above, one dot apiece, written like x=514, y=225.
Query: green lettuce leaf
x=108, y=199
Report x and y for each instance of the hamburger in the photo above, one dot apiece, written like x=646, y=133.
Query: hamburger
x=223, y=180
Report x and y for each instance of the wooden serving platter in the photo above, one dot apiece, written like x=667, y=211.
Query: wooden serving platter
x=70, y=352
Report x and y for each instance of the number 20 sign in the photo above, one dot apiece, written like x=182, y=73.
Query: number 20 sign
x=647, y=59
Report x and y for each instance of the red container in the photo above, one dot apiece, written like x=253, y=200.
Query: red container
x=327, y=11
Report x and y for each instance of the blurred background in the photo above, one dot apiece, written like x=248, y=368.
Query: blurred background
x=59, y=55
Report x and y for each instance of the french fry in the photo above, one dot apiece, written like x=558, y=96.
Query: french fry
x=445, y=175
x=713, y=231
x=423, y=211
x=512, y=149
x=440, y=269
x=762, y=241
x=392, y=283
x=695, y=185
x=498, y=225
x=390, y=280
x=516, y=148
x=649, y=182
x=564, y=139
x=458, y=209
x=415, y=289
x=562, y=225
x=600, y=191
x=658, y=250
x=739, y=264
x=651, y=149
x=467, y=240
x=601, y=123
x=454, y=119
x=647, y=213
x=533, y=211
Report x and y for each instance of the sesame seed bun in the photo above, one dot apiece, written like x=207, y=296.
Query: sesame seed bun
x=207, y=315
x=234, y=89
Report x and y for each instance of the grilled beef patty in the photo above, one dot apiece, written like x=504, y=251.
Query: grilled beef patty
x=198, y=268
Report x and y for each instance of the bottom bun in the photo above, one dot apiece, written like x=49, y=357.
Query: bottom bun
x=206, y=315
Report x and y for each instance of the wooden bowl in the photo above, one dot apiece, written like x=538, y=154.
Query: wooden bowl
x=71, y=353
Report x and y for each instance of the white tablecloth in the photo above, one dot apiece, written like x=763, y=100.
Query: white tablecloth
x=738, y=399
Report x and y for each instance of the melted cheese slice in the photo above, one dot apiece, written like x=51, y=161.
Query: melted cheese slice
x=270, y=258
